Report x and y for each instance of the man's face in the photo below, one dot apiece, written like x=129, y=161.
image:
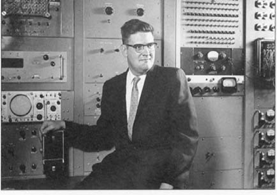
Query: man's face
x=140, y=62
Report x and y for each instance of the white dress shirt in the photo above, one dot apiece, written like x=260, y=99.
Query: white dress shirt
x=129, y=86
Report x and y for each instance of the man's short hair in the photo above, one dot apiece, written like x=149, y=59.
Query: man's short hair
x=133, y=26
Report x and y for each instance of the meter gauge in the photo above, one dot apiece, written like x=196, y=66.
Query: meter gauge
x=229, y=85
x=213, y=56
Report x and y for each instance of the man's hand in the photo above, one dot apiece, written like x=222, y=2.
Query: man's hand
x=51, y=126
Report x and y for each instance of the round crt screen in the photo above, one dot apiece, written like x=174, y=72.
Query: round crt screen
x=20, y=105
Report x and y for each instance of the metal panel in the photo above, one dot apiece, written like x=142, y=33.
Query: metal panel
x=92, y=99
x=57, y=21
x=220, y=116
x=67, y=105
x=21, y=154
x=28, y=106
x=61, y=45
x=91, y=158
x=195, y=61
x=104, y=60
x=259, y=24
x=36, y=67
x=117, y=14
x=219, y=153
x=225, y=179
x=212, y=24
x=264, y=98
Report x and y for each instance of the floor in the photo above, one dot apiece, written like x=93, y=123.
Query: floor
x=41, y=184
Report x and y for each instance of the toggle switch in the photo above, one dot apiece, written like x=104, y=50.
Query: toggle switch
x=199, y=67
x=11, y=151
x=33, y=149
x=22, y=168
x=34, y=166
x=22, y=134
x=34, y=133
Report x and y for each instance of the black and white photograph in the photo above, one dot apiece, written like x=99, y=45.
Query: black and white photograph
x=138, y=96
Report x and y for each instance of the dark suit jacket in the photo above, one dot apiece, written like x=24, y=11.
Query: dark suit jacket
x=165, y=129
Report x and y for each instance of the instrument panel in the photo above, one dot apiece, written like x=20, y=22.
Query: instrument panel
x=30, y=106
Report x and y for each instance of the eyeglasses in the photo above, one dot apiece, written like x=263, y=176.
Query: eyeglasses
x=140, y=47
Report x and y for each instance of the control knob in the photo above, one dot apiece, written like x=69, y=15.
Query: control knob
x=39, y=117
x=53, y=108
x=222, y=55
x=216, y=89
x=271, y=154
x=270, y=114
x=207, y=90
x=223, y=68
x=197, y=90
x=258, y=27
x=109, y=10
x=270, y=134
x=140, y=11
x=272, y=4
x=212, y=67
x=39, y=105
x=270, y=173
x=199, y=55
x=45, y=57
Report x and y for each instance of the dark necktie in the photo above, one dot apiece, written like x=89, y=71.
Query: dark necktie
x=133, y=106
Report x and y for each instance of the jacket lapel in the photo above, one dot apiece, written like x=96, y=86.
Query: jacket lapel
x=121, y=104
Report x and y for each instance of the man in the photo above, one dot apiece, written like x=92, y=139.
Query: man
x=147, y=113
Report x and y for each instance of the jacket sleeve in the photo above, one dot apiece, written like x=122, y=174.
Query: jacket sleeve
x=96, y=137
x=183, y=123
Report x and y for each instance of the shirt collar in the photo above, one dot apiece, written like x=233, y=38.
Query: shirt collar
x=131, y=76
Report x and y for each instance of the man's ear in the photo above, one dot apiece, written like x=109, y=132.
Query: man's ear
x=124, y=50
